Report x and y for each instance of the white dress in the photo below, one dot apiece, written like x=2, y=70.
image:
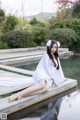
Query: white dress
x=46, y=71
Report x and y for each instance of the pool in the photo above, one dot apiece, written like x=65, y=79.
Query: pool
x=70, y=66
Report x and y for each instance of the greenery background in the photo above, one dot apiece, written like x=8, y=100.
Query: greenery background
x=17, y=32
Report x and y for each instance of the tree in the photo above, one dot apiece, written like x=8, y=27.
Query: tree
x=34, y=21
x=2, y=15
x=9, y=24
x=39, y=34
x=76, y=10
x=68, y=1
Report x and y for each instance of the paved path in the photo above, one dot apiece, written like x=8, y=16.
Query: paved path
x=20, y=54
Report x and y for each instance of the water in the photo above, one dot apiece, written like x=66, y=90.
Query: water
x=70, y=108
x=64, y=108
x=67, y=107
x=70, y=66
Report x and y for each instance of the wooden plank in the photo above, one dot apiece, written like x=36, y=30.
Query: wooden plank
x=12, y=107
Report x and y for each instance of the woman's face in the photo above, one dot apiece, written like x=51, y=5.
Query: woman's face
x=53, y=48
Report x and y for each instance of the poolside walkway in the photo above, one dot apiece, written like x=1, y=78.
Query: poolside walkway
x=15, y=56
x=21, y=52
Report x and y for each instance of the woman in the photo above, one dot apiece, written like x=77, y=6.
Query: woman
x=47, y=74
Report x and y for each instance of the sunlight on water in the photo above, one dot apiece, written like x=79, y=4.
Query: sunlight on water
x=70, y=108
x=65, y=108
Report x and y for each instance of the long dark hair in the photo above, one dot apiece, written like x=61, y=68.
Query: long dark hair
x=55, y=53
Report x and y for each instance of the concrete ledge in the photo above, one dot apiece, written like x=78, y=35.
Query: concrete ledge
x=27, y=49
x=17, y=70
x=28, y=58
x=15, y=106
x=19, y=50
x=21, y=59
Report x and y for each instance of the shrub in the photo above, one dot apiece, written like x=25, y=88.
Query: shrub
x=74, y=24
x=17, y=39
x=64, y=35
x=75, y=45
x=39, y=34
x=71, y=23
x=3, y=45
x=10, y=23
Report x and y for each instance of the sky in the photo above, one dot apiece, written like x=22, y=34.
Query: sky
x=30, y=7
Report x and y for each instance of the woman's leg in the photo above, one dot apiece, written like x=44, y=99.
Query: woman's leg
x=45, y=89
x=28, y=91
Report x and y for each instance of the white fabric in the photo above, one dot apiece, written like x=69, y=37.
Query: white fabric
x=46, y=70
x=14, y=81
x=48, y=43
x=58, y=43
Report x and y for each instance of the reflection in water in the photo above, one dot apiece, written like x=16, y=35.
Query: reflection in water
x=70, y=107
x=46, y=112
x=53, y=111
x=66, y=108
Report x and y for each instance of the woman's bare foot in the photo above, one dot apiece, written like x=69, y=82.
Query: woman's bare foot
x=14, y=97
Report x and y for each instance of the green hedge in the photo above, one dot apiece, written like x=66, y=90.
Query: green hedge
x=64, y=35
x=67, y=37
x=71, y=23
x=67, y=31
x=3, y=45
x=75, y=45
x=17, y=39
